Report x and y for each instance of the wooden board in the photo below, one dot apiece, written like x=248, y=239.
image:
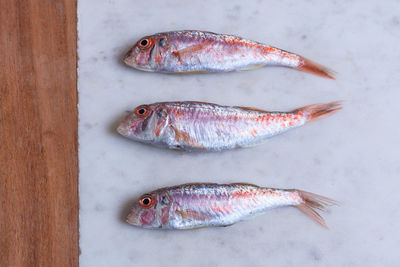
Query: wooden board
x=38, y=134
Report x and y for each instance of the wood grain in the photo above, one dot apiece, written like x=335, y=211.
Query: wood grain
x=38, y=134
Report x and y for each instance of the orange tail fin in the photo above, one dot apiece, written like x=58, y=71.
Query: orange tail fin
x=307, y=65
x=319, y=111
x=313, y=202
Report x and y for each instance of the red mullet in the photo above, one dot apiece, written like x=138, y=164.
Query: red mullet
x=211, y=127
x=198, y=51
x=191, y=206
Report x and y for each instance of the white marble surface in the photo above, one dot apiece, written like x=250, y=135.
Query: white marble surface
x=352, y=157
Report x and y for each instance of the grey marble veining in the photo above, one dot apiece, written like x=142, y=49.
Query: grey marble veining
x=352, y=156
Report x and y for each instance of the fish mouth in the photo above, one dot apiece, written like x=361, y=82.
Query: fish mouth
x=122, y=129
x=128, y=60
x=132, y=219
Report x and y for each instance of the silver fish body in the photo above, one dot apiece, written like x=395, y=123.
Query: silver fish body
x=191, y=206
x=200, y=126
x=200, y=51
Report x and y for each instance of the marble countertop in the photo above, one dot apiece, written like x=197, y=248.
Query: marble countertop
x=352, y=157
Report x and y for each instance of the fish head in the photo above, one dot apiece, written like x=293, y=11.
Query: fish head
x=148, y=53
x=150, y=210
x=145, y=124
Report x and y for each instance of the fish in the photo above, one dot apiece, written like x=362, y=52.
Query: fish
x=200, y=205
x=200, y=126
x=200, y=51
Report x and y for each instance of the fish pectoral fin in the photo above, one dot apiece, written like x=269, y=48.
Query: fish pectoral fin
x=181, y=136
x=192, y=215
x=185, y=51
x=198, y=216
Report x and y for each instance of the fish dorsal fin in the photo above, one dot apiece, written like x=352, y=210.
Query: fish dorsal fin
x=251, y=109
x=245, y=184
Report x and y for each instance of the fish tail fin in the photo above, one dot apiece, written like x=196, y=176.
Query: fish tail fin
x=313, y=202
x=309, y=66
x=319, y=111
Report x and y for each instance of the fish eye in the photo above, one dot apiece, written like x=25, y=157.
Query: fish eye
x=146, y=201
x=141, y=111
x=144, y=43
